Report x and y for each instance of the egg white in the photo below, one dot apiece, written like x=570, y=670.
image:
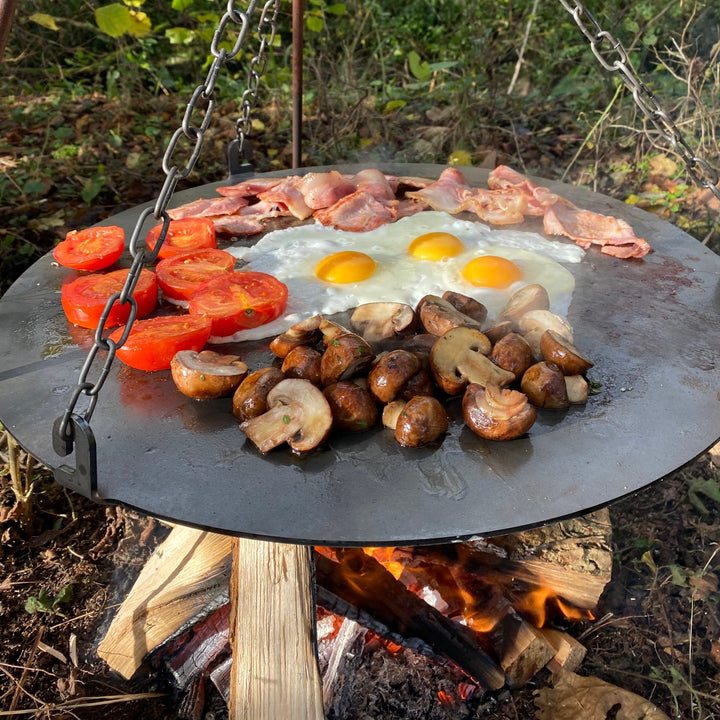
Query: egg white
x=291, y=255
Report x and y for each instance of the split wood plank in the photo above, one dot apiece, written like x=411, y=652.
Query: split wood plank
x=178, y=582
x=274, y=672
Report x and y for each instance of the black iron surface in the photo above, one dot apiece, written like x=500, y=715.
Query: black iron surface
x=651, y=326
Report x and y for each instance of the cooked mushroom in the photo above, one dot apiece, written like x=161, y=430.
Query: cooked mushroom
x=330, y=330
x=250, y=399
x=542, y=320
x=421, y=421
x=498, y=330
x=466, y=305
x=421, y=383
x=512, y=353
x=460, y=357
x=496, y=413
x=297, y=414
x=391, y=373
x=438, y=316
x=555, y=348
x=391, y=413
x=206, y=374
x=544, y=384
x=530, y=297
x=378, y=321
x=353, y=407
x=577, y=389
x=303, y=362
x=419, y=343
x=306, y=332
x=346, y=355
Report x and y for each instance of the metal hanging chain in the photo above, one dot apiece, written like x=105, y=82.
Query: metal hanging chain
x=601, y=43
x=63, y=435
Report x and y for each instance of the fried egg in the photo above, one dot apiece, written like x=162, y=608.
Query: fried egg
x=328, y=271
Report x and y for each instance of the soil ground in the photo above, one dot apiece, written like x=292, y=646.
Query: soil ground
x=65, y=563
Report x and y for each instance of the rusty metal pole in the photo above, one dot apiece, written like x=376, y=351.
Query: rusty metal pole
x=297, y=81
x=7, y=11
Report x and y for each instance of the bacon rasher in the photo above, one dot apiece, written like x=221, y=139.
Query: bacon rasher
x=209, y=207
x=358, y=212
x=449, y=193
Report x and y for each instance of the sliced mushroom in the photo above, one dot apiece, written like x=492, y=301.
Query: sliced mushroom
x=353, y=407
x=531, y=297
x=378, y=321
x=555, y=348
x=391, y=413
x=460, y=357
x=498, y=330
x=544, y=384
x=330, y=330
x=542, y=320
x=391, y=373
x=306, y=332
x=466, y=305
x=438, y=316
x=345, y=356
x=250, y=399
x=421, y=421
x=577, y=389
x=496, y=413
x=512, y=353
x=297, y=414
x=207, y=374
x=303, y=362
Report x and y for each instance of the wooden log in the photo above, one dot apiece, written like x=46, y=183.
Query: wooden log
x=274, y=673
x=185, y=576
x=569, y=652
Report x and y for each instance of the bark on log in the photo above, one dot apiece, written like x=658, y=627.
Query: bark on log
x=274, y=672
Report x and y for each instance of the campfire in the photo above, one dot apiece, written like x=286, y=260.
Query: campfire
x=491, y=611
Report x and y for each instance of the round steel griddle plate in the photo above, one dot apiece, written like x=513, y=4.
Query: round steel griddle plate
x=651, y=326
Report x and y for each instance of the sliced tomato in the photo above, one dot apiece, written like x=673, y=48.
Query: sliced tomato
x=179, y=275
x=152, y=343
x=239, y=300
x=94, y=248
x=183, y=235
x=84, y=298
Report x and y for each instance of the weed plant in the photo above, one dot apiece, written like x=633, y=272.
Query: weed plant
x=428, y=81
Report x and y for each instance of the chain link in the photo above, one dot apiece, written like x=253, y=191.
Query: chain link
x=202, y=105
x=266, y=35
x=603, y=45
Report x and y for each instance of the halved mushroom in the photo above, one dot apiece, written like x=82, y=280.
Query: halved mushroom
x=391, y=372
x=498, y=330
x=297, y=414
x=303, y=362
x=466, y=305
x=250, y=399
x=391, y=413
x=577, y=389
x=496, y=413
x=542, y=320
x=353, y=407
x=512, y=353
x=555, y=348
x=345, y=356
x=544, y=384
x=330, y=330
x=421, y=421
x=378, y=321
x=438, y=316
x=206, y=374
x=530, y=297
x=460, y=357
x=306, y=332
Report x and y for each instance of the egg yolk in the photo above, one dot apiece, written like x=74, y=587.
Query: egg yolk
x=435, y=246
x=347, y=266
x=492, y=272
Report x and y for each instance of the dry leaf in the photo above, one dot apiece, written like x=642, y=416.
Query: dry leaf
x=574, y=697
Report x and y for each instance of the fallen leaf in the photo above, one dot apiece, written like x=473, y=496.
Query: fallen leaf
x=574, y=697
